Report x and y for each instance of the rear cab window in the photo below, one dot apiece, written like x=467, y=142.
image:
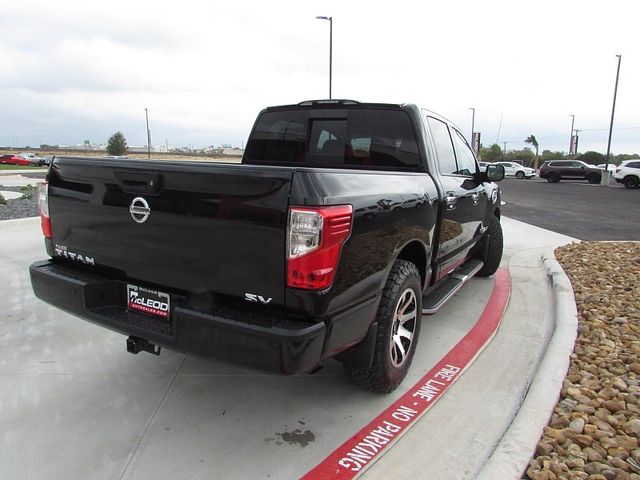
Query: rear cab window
x=369, y=138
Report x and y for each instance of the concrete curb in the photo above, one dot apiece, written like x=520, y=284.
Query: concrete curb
x=512, y=454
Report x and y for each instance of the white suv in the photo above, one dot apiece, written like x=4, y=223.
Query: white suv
x=513, y=169
x=628, y=173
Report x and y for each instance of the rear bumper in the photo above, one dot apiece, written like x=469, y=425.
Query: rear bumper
x=287, y=346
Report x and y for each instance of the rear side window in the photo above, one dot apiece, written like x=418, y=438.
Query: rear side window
x=634, y=165
x=356, y=137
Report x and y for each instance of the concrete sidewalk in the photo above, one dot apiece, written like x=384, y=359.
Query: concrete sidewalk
x=75, y=405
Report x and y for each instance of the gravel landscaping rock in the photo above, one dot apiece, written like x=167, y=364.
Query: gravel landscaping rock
x=19, y=207
x=594, y=430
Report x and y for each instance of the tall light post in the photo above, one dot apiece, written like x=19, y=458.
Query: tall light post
x=613, y=111
x=146, y=114
x=330, y=48
x=473, y=122
x=573, y=118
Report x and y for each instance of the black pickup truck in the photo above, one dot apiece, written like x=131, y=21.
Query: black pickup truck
x=344, y=224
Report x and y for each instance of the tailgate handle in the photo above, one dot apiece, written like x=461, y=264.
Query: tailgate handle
x=139, y=182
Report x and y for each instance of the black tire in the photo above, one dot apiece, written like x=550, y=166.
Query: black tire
x=491, y=248
x=631, y=182
x=391, y=364
x=553, y=178
x=594, y=179
x=520, y=175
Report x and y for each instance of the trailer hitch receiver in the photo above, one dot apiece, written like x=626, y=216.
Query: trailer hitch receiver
x=136, y=345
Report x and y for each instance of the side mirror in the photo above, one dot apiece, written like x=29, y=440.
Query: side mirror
x=495, y=173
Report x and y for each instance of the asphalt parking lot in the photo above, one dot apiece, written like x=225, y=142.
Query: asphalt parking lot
x=574, y=208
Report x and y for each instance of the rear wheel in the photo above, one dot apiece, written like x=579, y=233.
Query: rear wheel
x=491, y=248
x=631, y=182
x=553, y=178
x=594, y=178
x=520, y=175
x=398, y=318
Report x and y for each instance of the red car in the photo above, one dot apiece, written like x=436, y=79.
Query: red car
x=14, y=160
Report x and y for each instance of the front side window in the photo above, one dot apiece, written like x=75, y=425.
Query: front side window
x=443, y=146
x=464, y=155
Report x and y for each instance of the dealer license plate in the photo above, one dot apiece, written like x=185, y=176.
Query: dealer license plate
x=151, y=302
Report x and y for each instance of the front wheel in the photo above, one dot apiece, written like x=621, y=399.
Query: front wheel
x=631, y=182
x=398, y=318
x=491, y=248
x=520, y=175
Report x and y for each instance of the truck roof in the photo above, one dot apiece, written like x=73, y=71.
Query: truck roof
x=331, y=103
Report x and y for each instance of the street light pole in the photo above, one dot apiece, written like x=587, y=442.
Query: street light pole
x=613, y=111
x=573, y=117
x=330, y=49
x=473, y=123
x=146, y=114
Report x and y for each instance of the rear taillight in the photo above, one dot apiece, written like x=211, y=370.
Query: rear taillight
x=43, y=207
x=315, y=236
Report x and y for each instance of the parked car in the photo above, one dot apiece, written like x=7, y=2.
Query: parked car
x=628, y=173
x=556, y=170
x=319, y=245
x=513, y=169
x=611, y=168
x=33, y=158
x=11, y=159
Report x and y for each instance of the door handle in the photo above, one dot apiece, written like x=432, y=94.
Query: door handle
x=450, y=201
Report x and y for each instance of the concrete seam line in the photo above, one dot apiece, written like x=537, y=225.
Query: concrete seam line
x=515, y=449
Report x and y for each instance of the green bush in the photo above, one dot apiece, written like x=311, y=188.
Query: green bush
x=27, y=191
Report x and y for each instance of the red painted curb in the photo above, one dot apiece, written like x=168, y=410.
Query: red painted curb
x=360, y=451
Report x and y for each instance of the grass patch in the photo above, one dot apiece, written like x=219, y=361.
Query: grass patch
x=4, y=166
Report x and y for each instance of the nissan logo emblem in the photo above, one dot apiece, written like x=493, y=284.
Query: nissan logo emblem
x=139, y=210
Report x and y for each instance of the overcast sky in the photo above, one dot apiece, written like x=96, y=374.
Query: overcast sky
x=76, y=70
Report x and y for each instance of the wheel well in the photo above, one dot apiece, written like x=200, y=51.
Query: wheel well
x=415, y=253
x=631, y=175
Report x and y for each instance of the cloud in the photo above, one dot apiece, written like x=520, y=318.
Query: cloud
x=204, y=70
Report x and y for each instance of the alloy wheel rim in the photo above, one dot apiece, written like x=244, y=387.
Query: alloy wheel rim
x=404, y=327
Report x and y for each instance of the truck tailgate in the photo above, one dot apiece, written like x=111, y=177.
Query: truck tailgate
x=185, y=226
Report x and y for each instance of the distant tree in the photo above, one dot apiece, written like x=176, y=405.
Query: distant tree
x=594, y=158
x=531, y=140
x=621, y=157
x=549, y=155
x=117, y=144
x=492, y=154
x=525, y=155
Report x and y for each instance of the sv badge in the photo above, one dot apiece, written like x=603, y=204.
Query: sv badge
x=252, y=297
